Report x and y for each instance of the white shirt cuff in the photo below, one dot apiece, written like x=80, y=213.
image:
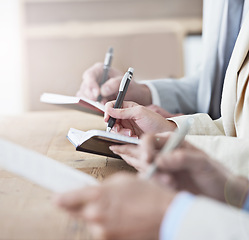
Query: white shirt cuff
x=246, y=205
x=174, y=215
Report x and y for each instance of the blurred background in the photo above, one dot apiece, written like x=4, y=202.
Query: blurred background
x=45, y=45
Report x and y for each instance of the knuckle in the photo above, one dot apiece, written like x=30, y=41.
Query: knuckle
x=140, y=109
x=98, y=65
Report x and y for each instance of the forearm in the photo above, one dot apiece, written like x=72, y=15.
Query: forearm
x=186, y=209
x=208, y=219
x=139, y=93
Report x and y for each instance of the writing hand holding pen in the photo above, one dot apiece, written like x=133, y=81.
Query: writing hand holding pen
x=121, y=95
x=173, y=142
x=107, y=64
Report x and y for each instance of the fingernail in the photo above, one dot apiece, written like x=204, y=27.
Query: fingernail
x=111, y=148
x=127, y=133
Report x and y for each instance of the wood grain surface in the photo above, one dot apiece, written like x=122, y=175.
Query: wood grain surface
x=26, y=210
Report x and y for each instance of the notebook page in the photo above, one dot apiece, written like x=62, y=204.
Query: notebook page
x=42, y=170
x=63, y=99
x=77, y=137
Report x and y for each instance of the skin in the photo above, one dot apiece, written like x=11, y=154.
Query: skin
x=127, y=207
x=90, y=87
x=112, y=212
x=186, y=168
x=135, y=120
x=138, y=93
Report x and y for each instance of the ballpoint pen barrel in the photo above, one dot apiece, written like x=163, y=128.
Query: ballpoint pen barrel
x=107, y=64
x=121, y=95
x=103, y=80
x=118, y=104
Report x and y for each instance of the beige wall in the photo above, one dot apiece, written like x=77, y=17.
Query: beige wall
x=63, y=38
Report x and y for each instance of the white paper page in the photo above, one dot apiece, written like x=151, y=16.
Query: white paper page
x=42, y=170
x=63, y=99
x=77, y=137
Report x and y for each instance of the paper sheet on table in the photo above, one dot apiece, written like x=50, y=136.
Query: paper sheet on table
x=42, y=170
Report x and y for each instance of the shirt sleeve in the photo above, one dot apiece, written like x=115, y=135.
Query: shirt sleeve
x=175, y=213
x=246, y=204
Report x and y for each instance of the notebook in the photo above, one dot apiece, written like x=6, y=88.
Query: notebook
x=76, y=103
x=98, y=141
x=41, y=170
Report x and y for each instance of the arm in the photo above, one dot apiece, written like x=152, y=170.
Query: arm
x=123, y=208
x=232, y=152
x=177, y=95
x=190, y=169
x=90, y=88
x=203, y=124
x=207, y=219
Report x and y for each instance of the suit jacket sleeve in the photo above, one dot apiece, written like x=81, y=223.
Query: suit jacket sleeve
x=209, y=136
x=207, y=219
x=178, y=96
x=230, y=151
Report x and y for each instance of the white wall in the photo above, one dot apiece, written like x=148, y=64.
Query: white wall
x=11, y=100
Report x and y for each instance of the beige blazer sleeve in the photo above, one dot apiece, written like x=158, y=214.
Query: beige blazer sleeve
x=235, y=98
x=232, y=152
x=210, y=220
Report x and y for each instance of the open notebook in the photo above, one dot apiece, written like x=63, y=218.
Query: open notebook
x=81, y=104
x=98, y=142
x=44, y=171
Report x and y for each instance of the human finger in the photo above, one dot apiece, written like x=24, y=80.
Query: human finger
x=90, y=85
x=150, y=145
x=182, y=159
x=75, y=199
x=111, y=87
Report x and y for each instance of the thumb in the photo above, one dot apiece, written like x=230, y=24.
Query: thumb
x=111, y=87
x=130, y=110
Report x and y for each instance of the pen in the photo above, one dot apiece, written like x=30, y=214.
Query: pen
x=107, y=64
x=173, y=142
x=121, y=95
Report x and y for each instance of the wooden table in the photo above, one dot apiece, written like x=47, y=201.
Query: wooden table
x=26, y=211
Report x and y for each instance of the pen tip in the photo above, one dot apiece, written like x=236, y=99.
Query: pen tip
x=108, y=129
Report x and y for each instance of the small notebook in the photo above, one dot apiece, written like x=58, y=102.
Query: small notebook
x=44, y=171
x=76, y=103
x=98, y=142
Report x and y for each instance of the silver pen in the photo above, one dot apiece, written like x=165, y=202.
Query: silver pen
x=173, y=142
x=107, y=64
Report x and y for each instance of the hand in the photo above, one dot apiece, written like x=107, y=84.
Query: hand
x=136, y=155
x=123, y=207
x=90, y=83
x=162, y=111
x=188, y=168
x=134, y=119
x=89, y=88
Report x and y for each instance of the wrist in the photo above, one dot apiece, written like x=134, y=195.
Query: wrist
x=141, y=94
x=170, y=126
x=236, y=191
